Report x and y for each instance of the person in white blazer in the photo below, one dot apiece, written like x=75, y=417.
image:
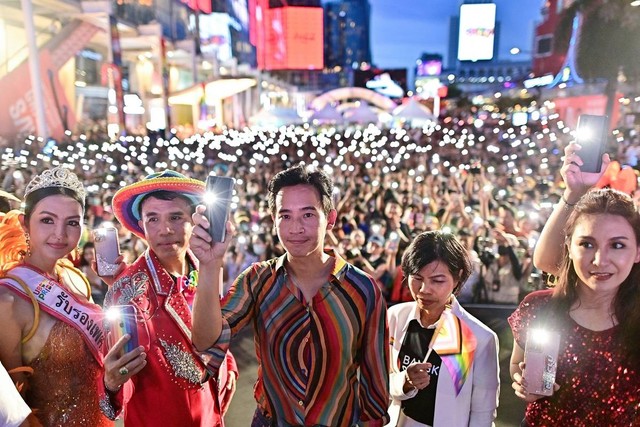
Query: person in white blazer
x=13, y=410
x=444, y=361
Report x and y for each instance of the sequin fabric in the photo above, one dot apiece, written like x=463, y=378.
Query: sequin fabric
x=64, y=386
x=597, y=386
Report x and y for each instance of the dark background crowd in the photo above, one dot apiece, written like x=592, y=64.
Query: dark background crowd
x=490, y=183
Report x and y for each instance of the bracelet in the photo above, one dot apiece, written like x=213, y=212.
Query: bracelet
x=407, y=380
x=567, y=203
x=111, y=391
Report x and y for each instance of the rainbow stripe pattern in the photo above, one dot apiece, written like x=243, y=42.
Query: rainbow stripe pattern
x=456, y=345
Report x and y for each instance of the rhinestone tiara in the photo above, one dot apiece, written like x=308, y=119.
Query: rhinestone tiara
x=56, y=177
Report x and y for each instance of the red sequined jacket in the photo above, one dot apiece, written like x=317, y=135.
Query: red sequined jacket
x=174, y=388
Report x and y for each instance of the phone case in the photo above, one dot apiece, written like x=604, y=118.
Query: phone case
x=218, y=201
x=541, y=361
x=591, y=134
x=107, y=250
x=122, y=321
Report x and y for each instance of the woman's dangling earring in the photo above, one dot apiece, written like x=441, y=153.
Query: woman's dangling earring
x=78, y=253
x=28, y=239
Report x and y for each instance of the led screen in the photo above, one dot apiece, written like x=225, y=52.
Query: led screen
x=477, y=31
x=294, y=38
x=215, y=37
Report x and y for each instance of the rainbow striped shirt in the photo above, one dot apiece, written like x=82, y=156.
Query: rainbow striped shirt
x=325, y=363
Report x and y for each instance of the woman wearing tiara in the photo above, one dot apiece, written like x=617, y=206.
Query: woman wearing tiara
x=51, y=338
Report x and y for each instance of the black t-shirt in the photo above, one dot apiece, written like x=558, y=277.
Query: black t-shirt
x=414, y=348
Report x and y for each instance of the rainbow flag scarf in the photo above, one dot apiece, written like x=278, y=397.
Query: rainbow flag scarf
x=456, y=346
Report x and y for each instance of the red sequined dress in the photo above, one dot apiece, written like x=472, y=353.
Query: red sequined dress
x=597, y=386
x=64, y=386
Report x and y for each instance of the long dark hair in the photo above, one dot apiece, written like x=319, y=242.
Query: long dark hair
x=627, y=299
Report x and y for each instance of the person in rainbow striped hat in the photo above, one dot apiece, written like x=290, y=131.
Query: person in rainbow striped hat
x=161, y=285
x=444, y=361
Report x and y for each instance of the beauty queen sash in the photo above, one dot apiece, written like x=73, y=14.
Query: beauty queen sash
x=61, y=304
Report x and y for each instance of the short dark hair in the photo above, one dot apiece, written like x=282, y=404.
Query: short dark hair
x=433, y=246
x=33, y=198
x=167, y=195
x=302, y=175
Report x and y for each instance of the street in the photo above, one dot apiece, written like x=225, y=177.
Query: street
x=510, y=411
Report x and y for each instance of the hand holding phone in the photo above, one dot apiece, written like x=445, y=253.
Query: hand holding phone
x=217, y=199
x=541, y=361
x=107, y=250
x=122, y=321
x=591, y=135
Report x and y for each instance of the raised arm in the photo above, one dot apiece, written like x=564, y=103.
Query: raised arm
x=548, y=250
x=207, y=314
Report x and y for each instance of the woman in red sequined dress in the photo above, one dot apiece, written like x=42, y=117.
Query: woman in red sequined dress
x=51, y=337
x=596, y=236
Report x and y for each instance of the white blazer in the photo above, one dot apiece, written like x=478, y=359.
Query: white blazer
x=476, y=404
x=13, y=410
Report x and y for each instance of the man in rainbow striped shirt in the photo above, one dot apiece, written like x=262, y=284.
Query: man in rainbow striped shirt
x=319, y=322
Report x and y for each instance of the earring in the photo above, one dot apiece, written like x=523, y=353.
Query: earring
x=78, y=253
x=28, y=240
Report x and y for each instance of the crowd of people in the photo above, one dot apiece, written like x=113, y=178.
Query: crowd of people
x=351, y=252
x=492, y=185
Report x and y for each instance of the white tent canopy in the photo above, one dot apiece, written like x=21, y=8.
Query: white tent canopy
x=413, y=110
x=361, y=114
x=327, y=114
x=276, y=116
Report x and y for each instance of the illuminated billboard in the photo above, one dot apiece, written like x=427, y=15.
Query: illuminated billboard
x=215, y=36
x=203, y=6
x=239, y=22
x=390, y=82
x=477, y=32
x=294, y=38
x=430, y=67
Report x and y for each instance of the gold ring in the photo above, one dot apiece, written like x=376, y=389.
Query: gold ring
x=123, y=371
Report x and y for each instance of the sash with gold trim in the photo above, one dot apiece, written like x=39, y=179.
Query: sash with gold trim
x=456, y=345
x=65, y=306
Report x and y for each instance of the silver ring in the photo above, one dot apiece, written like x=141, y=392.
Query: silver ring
x=123, y=371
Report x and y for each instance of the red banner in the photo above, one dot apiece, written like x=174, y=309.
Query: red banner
x=571, y=107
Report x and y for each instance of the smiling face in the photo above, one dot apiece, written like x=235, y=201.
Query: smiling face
x=167, y=227
x=603, y=249
x=54, y=228
x=432, y=286
x=300, y=220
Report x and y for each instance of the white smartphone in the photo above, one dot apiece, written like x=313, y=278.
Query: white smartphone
x=107, y=247
x=541, y=361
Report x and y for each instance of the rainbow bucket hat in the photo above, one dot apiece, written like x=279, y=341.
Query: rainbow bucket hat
x=126, y=201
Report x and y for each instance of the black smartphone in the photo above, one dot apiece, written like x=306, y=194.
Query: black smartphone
x=122, y=321
x=591, y=134
x=107, y=248
x=217, y=199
